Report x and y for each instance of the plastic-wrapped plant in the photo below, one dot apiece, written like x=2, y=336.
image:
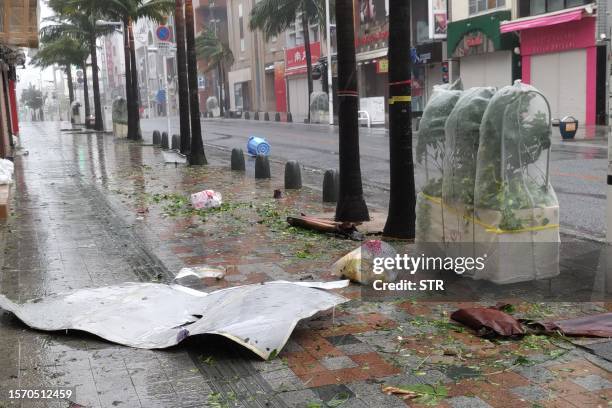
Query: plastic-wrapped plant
x=515, y=131
x=462, y=140
x=432, y=138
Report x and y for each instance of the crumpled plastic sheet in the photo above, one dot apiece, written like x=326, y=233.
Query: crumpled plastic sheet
x=489, y=319
x=259, y=317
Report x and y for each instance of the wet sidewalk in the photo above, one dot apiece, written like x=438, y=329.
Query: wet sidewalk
x=90, y=210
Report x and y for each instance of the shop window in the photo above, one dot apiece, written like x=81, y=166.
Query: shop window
x=295, y=33
x=479, y=6
x=241, y=27
x=535, y=7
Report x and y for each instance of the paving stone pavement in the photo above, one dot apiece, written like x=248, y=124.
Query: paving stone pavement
x=90, y=210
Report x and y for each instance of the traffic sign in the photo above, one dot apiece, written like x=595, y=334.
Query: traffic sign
x=163, y=33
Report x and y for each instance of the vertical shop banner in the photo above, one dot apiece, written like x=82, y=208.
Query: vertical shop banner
x=280, y=87
x=438, y=19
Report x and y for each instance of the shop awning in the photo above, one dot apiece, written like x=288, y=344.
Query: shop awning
x=488, y=24
x=543, y=21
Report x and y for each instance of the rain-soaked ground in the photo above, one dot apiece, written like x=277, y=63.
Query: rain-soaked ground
x=89, y=210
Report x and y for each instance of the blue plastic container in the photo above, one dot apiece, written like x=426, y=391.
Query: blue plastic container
x=258, y=145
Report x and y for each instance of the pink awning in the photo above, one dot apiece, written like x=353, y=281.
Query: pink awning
x=524, y=24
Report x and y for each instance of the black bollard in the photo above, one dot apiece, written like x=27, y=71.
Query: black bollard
x=247, y=115
x=331, y=186
x=156, y=138
x=277, y=117
x=267, y=116
x=176, y=142
x=293, y=176
x=289, y=117
x=164, y=140
x=238, y=160
x=256, y=116
x=262, y=167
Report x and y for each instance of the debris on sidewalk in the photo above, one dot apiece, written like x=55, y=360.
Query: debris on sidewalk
x=326, y=226
x=172, y=156
x=489, y=322
x=357, y=265
x=154, y=316
x=6, y=171
x=258, y=145
x=425, y=394
x=599, y=325
x=206, y=199
x=201, y=272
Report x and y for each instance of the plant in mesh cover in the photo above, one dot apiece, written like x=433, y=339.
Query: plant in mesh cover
x=431, y=138
x=462, y=139
x=514, y=133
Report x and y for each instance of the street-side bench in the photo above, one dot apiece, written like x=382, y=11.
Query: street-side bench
x=4, y=200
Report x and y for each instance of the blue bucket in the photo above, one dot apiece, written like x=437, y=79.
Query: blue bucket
x=258, y=145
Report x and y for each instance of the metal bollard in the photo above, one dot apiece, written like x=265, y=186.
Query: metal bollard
x=331, y=186
x=293, y=175
x=238, y=160
x=164, y=140
x=262, y=167
x=156, y=138
x=176, y=142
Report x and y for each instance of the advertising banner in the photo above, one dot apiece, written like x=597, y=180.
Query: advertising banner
x=438, y=19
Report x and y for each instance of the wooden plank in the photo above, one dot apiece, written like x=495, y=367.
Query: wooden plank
x=4, y=201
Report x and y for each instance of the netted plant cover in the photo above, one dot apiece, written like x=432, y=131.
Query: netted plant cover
x=515, y=207
x=462, y=140
x=431, y=137
x=512, y=169
x=319, y=101
x=120, y=111
x=212, y=103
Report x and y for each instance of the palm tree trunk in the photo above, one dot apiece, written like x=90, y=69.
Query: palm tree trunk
x=86, y=92
x=351, y=206
x=306, y=28
x=197, y=156
x=128, y=79
x=402, y=202
x=221, y=85
x=98, y=124
x=70, y=84
x=70, y=90
x=135, y=89
x=183, y=86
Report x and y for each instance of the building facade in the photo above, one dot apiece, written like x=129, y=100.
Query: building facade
x=19, y=20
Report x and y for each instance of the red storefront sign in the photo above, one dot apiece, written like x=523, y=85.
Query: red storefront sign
x=372, y=38
x=280, y=87
x=296, y=58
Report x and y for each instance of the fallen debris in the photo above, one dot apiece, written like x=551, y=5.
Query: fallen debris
x=201, y=272
x=206, y=199
x=599, y=325
x=489, y=321
x=172, y=156
x=259, y=317
x=426, y=394
x=358, y=266
x=494, y=322
x=326, y=226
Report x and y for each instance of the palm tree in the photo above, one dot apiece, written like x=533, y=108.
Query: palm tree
x=128, y=12
x=66, y=52
x=196, y=154
x=401, y=219
x=77, y=19
x=351, y=206
x=183, y=84
x=275, y=16
x=217, y=55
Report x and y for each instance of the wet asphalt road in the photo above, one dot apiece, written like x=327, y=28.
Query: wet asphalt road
x=578, y=169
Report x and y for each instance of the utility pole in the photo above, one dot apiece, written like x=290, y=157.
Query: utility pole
x=330, y=80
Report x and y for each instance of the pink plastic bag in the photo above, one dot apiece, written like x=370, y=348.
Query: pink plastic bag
x=206, y=199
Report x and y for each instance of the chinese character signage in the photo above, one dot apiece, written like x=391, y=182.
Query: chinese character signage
x=438, y=19
x=296, y=57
